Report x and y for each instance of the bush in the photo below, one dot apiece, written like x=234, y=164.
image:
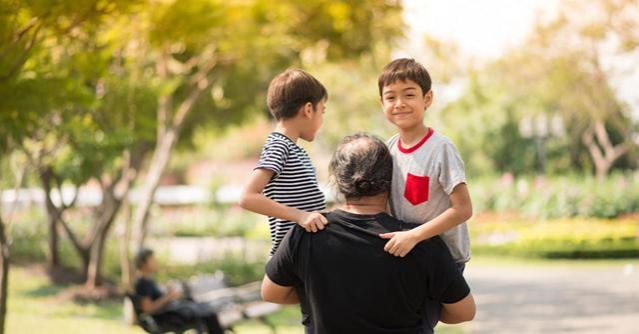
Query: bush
x=217, y=221
x=556, y=197
x=557, y=238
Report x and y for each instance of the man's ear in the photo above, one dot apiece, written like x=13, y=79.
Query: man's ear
x=428, y=98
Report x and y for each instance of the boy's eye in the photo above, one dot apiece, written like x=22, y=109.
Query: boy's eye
x=410, y=95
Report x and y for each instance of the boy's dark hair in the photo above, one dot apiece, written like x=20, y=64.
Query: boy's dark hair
x=142, y=256
x=403, y=69
x=362, y=166
x=292, y=89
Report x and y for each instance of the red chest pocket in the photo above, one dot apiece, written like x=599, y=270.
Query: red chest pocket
x=416, y=188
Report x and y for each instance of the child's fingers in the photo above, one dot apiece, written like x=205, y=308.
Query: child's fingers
x=396, y=249
x=389, y=245
x=319, y=224
x=323, y=219
x=387, y=236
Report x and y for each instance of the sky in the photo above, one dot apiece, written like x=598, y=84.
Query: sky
x=482, y=29
x=485, y=29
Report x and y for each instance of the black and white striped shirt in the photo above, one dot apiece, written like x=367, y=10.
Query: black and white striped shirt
x=294, y=183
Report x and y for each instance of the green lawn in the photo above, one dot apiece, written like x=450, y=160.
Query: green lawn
x=35, y=306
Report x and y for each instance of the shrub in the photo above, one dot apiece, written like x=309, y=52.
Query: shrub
x=555, y=197
x=567, y=238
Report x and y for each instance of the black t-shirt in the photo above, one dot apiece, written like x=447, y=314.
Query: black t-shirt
x=145, y=287
x=349, y=284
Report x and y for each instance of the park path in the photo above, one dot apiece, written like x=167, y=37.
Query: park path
x=555, y=298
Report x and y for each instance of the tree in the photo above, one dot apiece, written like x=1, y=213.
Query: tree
x=82, y=110
x=568, y=70
x=194, y=57
x=98, y=97
x=28, y=100
x=603, y=45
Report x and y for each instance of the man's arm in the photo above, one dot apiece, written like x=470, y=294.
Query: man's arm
x=279, y=294
x=150, y=306
x=461, y=311
x=253, y=199
x=461, y=209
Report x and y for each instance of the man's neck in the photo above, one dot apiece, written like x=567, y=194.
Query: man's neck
x=288, y=128
x=367, y=205
x=411, y=136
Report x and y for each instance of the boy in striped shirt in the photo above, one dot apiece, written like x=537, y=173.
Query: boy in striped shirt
x=283, y=185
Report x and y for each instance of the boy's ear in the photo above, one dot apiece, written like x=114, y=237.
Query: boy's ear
x=307, y=110
x=428, y=98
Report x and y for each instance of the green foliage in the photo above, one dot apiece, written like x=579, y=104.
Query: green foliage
x=555, y=197
x=219, y=221
x=561, y=72
x=557, y=238
x=353, y=99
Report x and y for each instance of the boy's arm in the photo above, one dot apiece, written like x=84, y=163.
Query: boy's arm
x=253, y=199
x=401, y=243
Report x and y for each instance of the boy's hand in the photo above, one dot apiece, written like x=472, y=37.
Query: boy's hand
x=400, y=243
x=312, y=221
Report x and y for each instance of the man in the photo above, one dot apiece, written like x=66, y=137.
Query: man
x=169, y=309
x=343, y=276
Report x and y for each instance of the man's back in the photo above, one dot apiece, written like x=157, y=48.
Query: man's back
x=349, y=283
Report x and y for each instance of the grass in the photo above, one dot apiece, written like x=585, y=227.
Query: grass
x=37, y=306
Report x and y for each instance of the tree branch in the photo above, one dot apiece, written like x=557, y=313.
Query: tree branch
x=74, y=240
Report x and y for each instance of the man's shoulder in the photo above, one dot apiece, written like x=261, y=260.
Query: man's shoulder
x=294, y=236
x=433, y=247
x=142, y=284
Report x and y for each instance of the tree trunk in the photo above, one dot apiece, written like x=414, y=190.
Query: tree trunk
x=125, y=261
x=169, y=126
x=94, y=272
x=159, y=161
x=161, y=156
x=110, y=206
x=53, y=258
x=603, y=152
x=4, y=275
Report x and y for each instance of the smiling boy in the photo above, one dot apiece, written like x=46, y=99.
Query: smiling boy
x=429, y=182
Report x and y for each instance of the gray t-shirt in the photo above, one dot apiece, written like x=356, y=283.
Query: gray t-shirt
x=423, y=178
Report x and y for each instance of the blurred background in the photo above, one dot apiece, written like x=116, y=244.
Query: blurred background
x=130, y=122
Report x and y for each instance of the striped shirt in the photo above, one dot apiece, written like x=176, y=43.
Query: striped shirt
x=294, y=183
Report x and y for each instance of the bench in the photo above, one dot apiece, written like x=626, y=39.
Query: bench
x=232, y=304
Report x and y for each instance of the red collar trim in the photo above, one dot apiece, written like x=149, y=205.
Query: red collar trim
x=414, y=148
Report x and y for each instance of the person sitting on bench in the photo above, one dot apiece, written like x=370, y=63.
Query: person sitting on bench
x=169, y=309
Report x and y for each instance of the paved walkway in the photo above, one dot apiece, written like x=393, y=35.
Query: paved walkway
x=537, y=298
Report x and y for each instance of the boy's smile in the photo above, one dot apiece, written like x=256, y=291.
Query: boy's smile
x=404, y=103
